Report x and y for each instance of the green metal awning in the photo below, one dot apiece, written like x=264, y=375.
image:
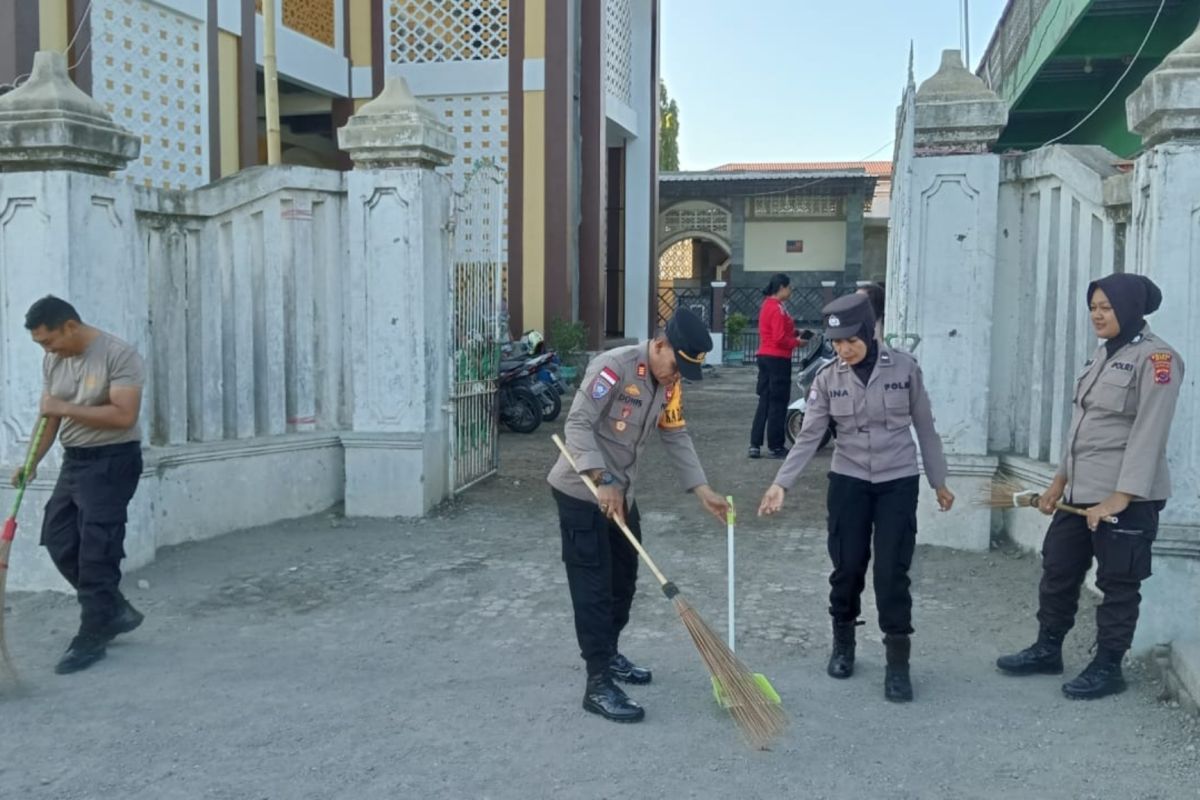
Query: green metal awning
x=1054, y=61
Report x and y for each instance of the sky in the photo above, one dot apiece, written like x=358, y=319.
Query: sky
x=802, y=80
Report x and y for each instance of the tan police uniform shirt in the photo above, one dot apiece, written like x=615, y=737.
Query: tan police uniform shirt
x=1120, y=421
x=85, y=380
x=873, y=421
x=616, y=408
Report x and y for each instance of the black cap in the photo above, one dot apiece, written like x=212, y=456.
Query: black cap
x=689, y=336
x=849, y=316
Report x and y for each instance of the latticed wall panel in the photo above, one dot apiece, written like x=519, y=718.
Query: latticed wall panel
x=678, y=261
x=480, y=125
x=313, y=18
x=432, y=31
x=618, y=50
x=150, y=71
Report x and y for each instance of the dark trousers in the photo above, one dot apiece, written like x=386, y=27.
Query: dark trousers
x=1122, y=553
x=84, y=526
x=774, y=393
x=601, y=573
x=889, y=510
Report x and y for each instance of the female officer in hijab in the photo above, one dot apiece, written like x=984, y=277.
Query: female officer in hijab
x=1114, y=463
x=874, y=394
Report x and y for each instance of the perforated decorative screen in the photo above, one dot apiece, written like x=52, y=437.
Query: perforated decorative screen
x=431, y=31
x=618, y=50
x=150, y=73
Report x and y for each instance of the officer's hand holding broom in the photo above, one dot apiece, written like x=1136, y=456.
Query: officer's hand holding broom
x=713, y=503
x=1048, y=500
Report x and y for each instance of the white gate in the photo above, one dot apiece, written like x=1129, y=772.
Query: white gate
x=477, y=324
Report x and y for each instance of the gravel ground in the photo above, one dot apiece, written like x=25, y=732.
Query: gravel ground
x=333, y=658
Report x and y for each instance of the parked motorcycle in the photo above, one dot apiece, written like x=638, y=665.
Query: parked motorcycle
x=544, y=365
x=821, y=355
x=521, y=404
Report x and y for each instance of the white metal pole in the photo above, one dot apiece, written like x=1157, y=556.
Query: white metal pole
x=729, y=519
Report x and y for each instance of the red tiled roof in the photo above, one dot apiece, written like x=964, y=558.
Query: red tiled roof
x=881, y=169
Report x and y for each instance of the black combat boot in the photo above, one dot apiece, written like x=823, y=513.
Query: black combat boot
x=603, y=697
x=624, y=670
x=841, y=661
x=1043, y=657
x=896, y=684
x=84, y=650
x=126, y=620
x=1100, y=678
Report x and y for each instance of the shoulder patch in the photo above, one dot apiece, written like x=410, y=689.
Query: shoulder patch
x=1162, y=367
x=672, y=416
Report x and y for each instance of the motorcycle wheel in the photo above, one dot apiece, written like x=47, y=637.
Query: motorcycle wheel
x=551, y=405
x=795, y=421
x=525, y=413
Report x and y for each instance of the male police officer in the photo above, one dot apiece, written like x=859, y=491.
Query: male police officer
x=626, y=393
x=91, y=399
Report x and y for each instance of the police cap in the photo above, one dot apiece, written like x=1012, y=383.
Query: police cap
x=849, y=316
x=689, y=337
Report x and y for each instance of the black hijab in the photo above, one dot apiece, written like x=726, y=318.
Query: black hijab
x=1132, y=298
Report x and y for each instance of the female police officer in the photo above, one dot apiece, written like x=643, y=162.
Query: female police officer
x=874, y=394
x=1114, y=463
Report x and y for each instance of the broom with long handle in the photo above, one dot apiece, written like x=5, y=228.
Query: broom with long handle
x=759, y=719
x=1004, y=493
x=7, y=535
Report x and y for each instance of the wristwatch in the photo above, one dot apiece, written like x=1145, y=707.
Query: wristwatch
x=607, y=478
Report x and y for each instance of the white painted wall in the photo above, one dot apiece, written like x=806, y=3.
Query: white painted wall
x=987, y=278
x=264, y=342
x=824, y=246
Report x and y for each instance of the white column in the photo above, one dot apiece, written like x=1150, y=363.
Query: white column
x=942, y=287
x=398, y=304
x=1165, y=239
x=640, y=230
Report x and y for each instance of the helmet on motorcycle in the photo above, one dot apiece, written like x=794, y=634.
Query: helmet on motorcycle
x=534, y=341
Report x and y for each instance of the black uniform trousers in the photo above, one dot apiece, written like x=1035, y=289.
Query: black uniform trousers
x=1122, y=553
x=84, y=526
x=888, y=510
x=602, y=571
x=774, y=391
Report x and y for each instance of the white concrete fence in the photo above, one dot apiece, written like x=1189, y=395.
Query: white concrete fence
x=292, y=320
x=990, y=258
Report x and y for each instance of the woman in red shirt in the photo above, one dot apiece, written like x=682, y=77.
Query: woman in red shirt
x=777, y=339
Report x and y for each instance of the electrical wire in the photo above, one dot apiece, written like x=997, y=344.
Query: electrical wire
x=1153, y=23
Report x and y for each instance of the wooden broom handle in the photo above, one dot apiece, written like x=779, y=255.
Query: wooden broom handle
x=662, y=579
x=1061, y=506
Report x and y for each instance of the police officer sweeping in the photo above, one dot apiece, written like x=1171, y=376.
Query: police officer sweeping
x=92, y=399
x=874, y=394
x=626, y=393
x=1114, y=464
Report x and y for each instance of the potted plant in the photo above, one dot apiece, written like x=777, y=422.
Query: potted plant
x=735, y=326
x=569, y=341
